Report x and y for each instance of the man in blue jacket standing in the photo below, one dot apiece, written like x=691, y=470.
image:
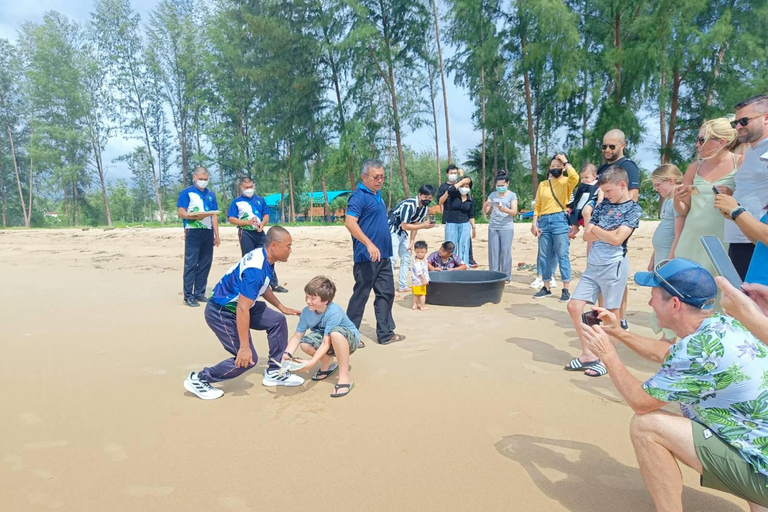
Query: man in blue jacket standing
x=199, y=210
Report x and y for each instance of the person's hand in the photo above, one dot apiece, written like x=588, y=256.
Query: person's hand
x=736, y=303
x=474, y=232
x=289, y=311
x=683, y=192
x=724, y=190
x=461, y=171
x=427, y=225
x=725, y=204
x=373, y=252
x=535, y=230
x=410, y=248
x=488, y=203
x=573, y=232
x=610, y=322
x=562, y=158
x=436, y=269
x=254, y=221
x=244, y=358
x=216, y=240
x=759, y=294
x=598, y=341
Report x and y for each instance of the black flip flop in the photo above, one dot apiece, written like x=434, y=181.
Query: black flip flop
x=324, y=374
x=337, y=387
x=577, y=365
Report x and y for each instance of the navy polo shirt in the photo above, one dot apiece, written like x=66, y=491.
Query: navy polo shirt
x=371, y=213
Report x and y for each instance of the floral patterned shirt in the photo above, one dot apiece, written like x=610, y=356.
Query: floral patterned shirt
x=719, y=376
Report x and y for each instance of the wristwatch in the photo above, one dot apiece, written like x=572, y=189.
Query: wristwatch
x=737, y=211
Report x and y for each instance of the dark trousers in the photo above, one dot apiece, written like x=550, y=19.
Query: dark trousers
x=379, y=278
x=741, y=255
x=198, y=256
x=250, y=240
x=223, y=323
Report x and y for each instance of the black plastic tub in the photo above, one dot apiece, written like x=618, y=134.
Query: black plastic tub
x=466, y=288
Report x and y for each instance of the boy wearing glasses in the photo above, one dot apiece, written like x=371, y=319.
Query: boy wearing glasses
x=751, y=180
x=610, y=226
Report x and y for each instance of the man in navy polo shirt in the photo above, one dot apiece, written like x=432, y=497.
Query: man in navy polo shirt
x=250, y=214
x=234, y=310
x=366, y=220
x=199, y=209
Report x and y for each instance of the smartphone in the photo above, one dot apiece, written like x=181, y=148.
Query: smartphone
x=590, y=318
x=720, y=260
x=714, y=189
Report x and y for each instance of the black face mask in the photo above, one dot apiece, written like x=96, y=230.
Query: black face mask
x=556, y=173
x=425, y=202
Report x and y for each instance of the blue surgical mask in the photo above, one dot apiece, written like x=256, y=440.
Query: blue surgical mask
x=501, y=189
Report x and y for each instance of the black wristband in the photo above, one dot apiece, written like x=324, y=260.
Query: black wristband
x=289, y=354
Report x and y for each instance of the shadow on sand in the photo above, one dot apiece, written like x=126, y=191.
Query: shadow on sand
x=590, y=480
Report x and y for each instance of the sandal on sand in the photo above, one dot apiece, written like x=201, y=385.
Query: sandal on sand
x=337, y=387
x=394, y=339
x=361, y=344
x=576, y=365
x=598, y=368
x=324, y=374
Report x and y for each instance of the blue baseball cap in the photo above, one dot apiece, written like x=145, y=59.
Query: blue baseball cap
x=684, y=279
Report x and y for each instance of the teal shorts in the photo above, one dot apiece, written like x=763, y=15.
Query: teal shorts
x=315, y=338
x=725, y=469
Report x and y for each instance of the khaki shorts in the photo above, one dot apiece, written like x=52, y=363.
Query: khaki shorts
x=725, y=469
x=315, y=338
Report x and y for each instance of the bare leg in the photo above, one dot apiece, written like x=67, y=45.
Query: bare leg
x=423, y=303
x=623, y=315
x=660, y=440
x=575, y=309
x=415, y=302
x=566, y=284
x=325, y=361
x=341, y=349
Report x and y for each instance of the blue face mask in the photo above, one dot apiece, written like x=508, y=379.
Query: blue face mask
x=501, y=189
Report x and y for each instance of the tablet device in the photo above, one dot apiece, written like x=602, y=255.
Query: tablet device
x=720, y=260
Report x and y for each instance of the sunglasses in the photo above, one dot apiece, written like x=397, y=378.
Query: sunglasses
x=612, y=146
x=677, y=292
x=744, y=121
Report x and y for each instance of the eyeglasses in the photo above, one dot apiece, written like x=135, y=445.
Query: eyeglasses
x=744, y=121
x=677, y=292
x=377, y=178
x=612, y=146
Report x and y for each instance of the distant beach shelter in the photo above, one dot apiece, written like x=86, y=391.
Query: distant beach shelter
x=275, y=214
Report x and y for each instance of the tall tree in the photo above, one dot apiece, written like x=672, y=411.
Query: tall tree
x=442, y=81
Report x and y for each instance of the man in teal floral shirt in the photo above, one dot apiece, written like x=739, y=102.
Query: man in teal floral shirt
x=717, y=372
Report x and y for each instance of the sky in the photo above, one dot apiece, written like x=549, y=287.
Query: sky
x=464, y=136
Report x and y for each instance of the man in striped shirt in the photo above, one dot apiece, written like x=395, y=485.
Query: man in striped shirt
x=410, y=215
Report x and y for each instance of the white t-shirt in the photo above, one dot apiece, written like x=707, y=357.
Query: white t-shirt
x=751, y=190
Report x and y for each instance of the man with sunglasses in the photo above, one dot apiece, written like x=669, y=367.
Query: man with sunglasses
x=715, y=372
x=614, y=143
x=367, y=222
x=751, y=179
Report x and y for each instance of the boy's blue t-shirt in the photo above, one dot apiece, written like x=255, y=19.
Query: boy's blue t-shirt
x=610, y=216
x=758, y=267
x=193, y=200
x=333, y=316
x=246, y=208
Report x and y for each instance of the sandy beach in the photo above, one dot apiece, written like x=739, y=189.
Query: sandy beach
x=471, y=412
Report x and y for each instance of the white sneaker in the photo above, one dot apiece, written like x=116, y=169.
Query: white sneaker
x=202, y=388
x=538, y=283
x=273, y=378
x=553, y=283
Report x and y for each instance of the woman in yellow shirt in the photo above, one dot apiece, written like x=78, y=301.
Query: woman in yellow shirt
x=550, y=224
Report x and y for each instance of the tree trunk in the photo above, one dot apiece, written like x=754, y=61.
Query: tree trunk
x=395, y=113
x=663, y=116
x=389, y=178
x=715, y=74
x=482, y=106
x=282, y=199
x=617, y=44
x=2, y=196
x=28, y=220
x=445, y=92
x=292, y=210
x=585, y=111
x=326, y=204
x=18, y=177
x=434, y=118
x=529, y=111
x=100, y=169
x=221, y=174
x=676, y=81
x=504, y=149
x=495, y=154
x=312, y=193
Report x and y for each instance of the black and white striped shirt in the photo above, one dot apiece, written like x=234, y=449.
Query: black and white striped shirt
x=407, y=211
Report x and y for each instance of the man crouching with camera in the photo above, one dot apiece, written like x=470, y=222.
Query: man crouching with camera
x=716, y=372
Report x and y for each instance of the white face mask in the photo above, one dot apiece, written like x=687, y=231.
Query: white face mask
x=453, y=177
x=464, y=190
x=201, y=183
x=248, y=192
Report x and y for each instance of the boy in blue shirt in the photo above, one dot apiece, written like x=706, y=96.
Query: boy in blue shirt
x=234, y=310
x=325, y=331
x=612, y=223
x=250, y=214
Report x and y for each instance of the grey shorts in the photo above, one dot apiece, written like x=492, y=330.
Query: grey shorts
x=315, y=339
x=609, y=280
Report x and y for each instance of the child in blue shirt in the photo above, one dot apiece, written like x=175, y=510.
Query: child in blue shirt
x=325, y=331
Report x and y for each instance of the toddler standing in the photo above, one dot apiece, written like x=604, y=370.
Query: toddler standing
x=420, y=275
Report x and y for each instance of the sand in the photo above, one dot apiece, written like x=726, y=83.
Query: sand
x=471, y=412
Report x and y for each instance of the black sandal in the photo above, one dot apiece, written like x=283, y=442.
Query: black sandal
x=337, y=387
x=324, y=374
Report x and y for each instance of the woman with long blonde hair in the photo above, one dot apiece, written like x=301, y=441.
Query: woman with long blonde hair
x=714, y=167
